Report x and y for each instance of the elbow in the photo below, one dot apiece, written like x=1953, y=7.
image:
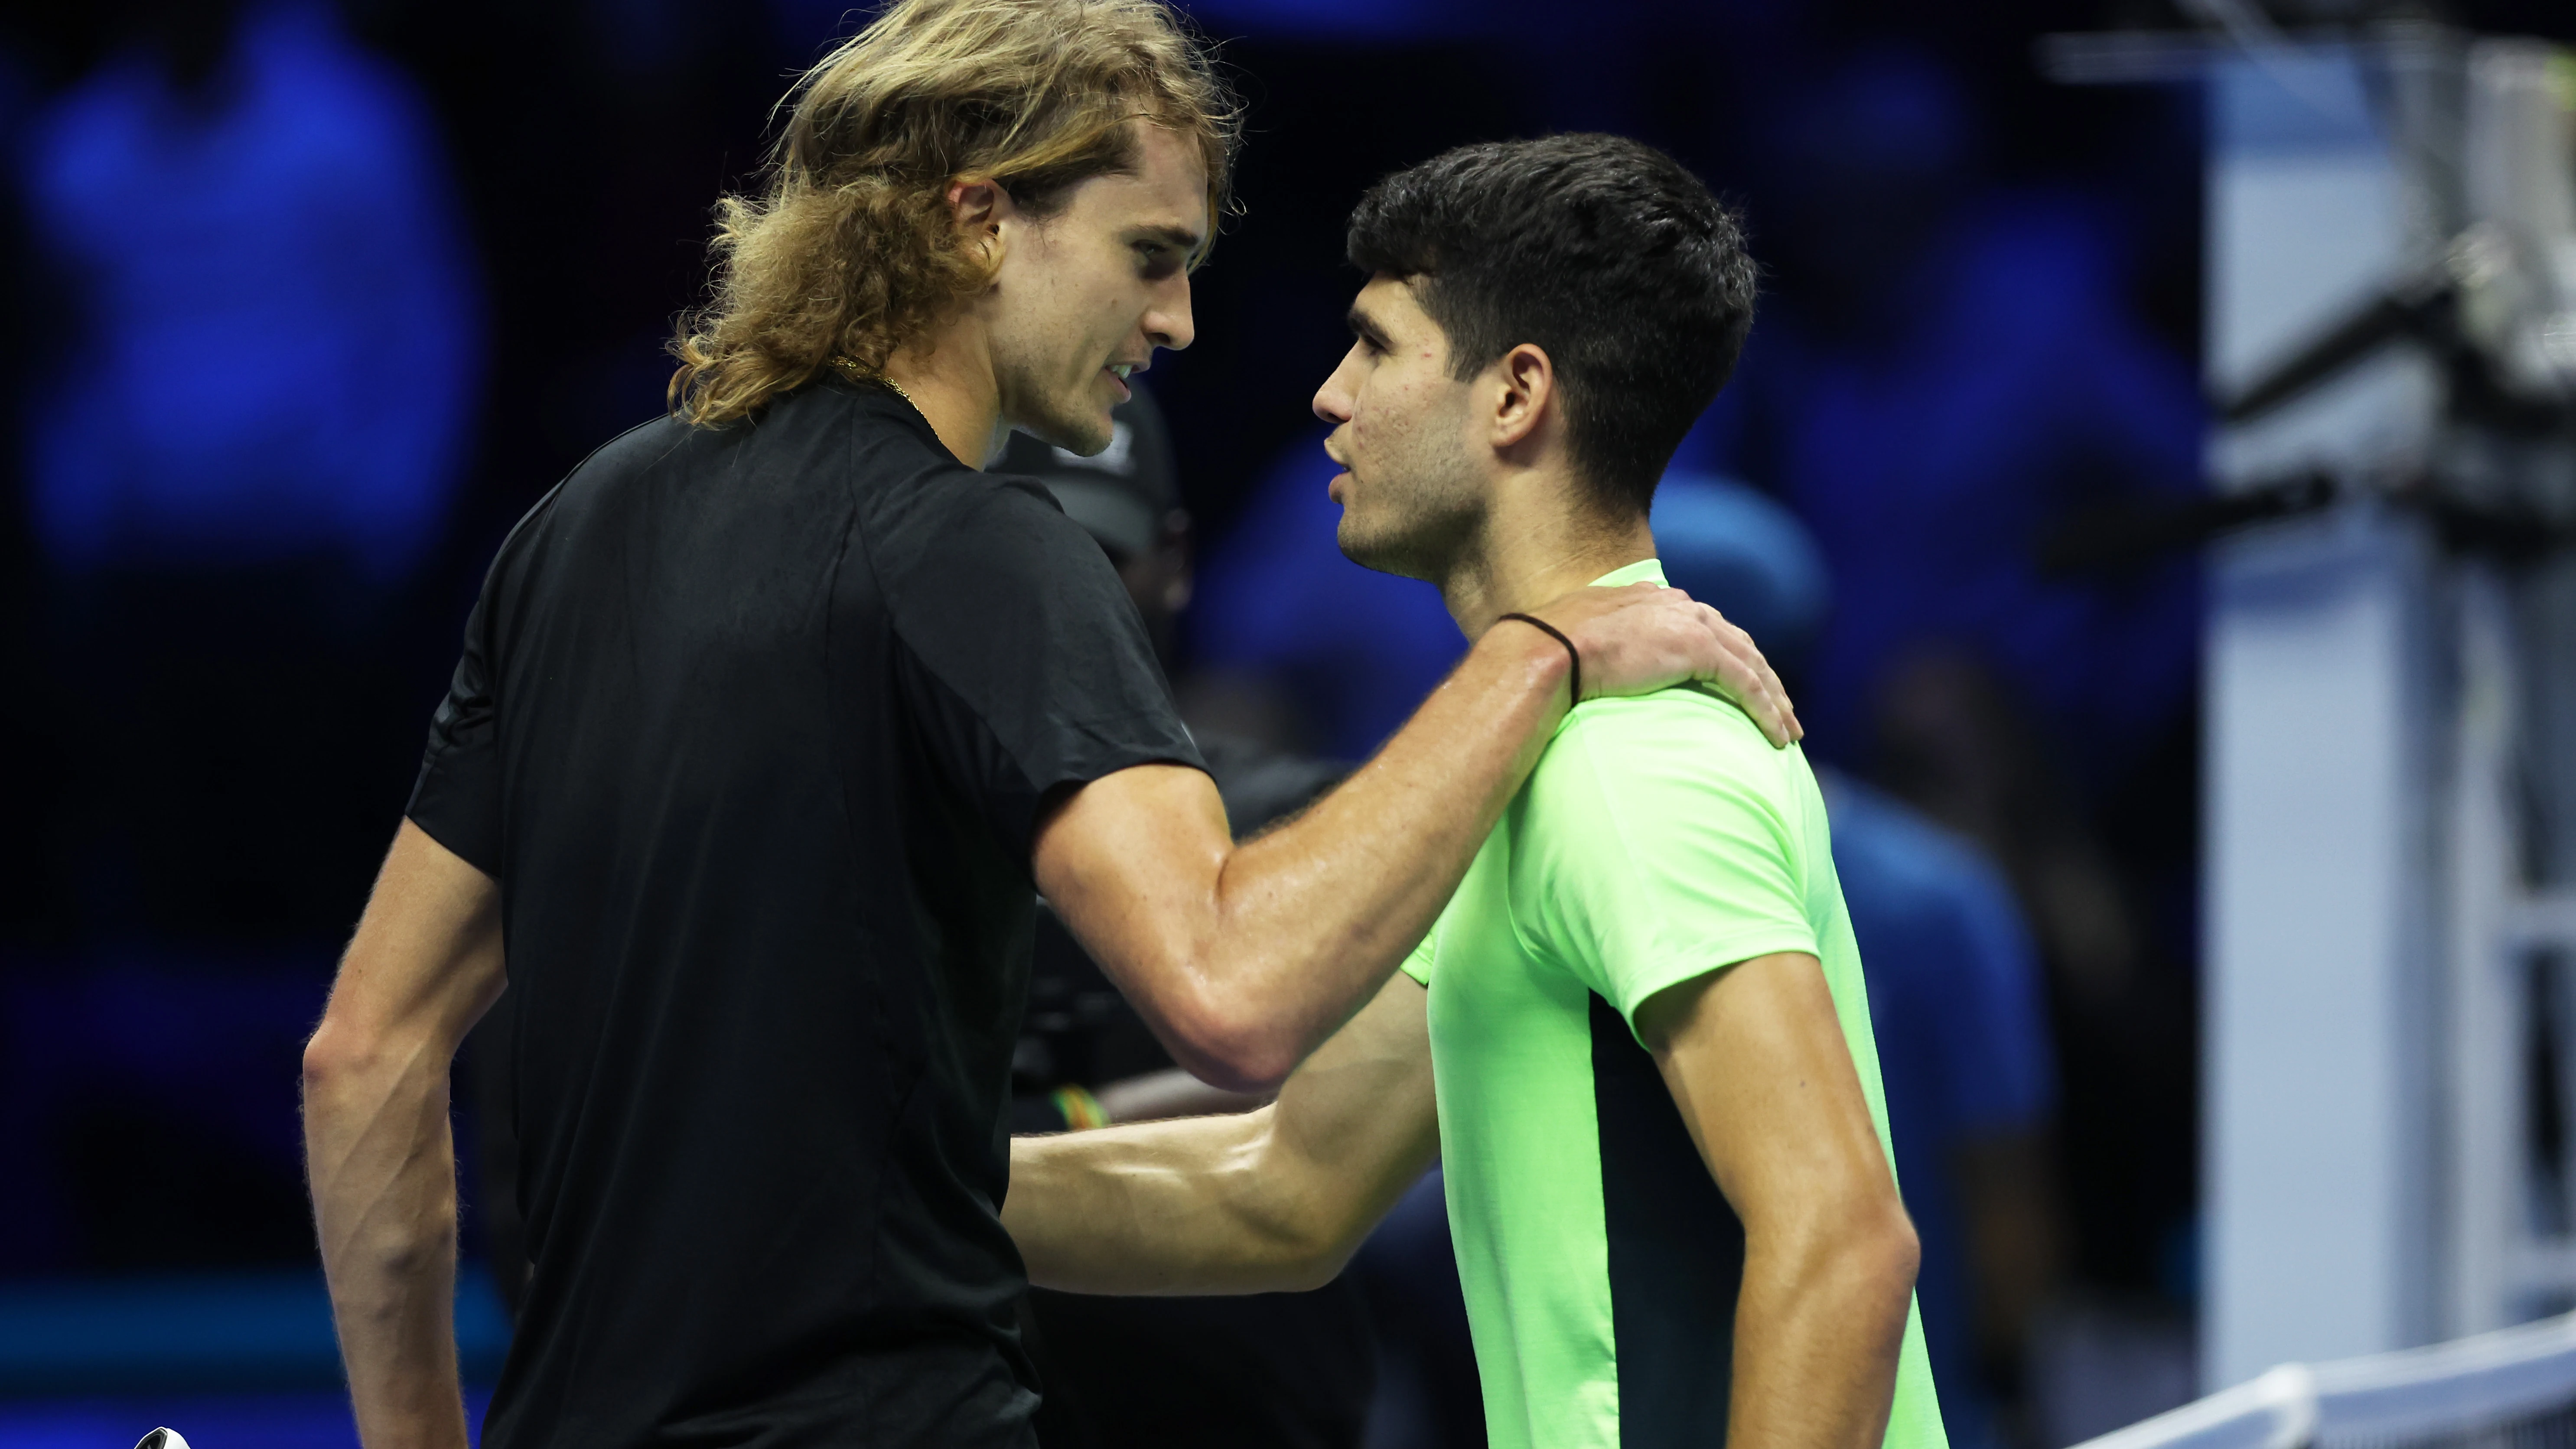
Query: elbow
x=1234, y=1046
x=336, y=1055
x=1881, y=1257
x=1308, y=1272
x=1254, y=1068
x=1900, y=1255
x=1309, y=1254
x=1861, y=1260
x=1326, y=1257
x=329, y=1058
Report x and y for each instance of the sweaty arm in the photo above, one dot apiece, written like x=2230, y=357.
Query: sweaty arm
x=1243, y=957
x=1267, y=1201
x=1758, y=1066
x=424, y=965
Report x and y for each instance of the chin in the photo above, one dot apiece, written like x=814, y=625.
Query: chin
x=1074, y=421
x=1418, y=548
x=1081, y=433
x=1373, y=552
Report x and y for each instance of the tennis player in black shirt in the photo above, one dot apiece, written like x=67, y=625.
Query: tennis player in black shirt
x=768, y=719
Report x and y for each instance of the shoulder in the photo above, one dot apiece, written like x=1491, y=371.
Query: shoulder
x=970, y=562
x=950, y=522
x=1660, y=837
x=606, y=475
x=1670, y=787
x=917, y=503
x=1682, y=738
x=644, y=447
x=1021, y=507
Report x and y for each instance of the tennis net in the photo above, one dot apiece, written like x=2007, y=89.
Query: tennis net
x=2513, y=1389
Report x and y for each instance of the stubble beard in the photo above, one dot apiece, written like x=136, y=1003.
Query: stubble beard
x=1066, y=422
x=1427, y=513
x=1035, y=400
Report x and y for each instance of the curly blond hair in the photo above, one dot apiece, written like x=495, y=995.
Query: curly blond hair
x=851, y=249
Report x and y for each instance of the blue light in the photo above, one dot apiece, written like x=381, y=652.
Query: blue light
x=279, y=350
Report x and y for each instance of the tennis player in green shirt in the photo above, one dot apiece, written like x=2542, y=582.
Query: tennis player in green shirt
x=1638, y=1037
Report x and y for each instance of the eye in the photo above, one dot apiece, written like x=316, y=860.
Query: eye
x=1160, y=260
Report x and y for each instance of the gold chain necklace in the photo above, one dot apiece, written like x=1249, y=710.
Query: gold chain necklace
x=851, y=366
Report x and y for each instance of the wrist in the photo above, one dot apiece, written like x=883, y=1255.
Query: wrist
x=1524, y=656
x=1550, y=640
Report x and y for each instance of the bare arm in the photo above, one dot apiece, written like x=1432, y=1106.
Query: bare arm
x=1270, y=1200
x=1242, y=958
x=1758, y=1066
x=426, y=962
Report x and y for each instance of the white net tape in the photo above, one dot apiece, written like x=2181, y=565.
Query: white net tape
x=2515, y=1389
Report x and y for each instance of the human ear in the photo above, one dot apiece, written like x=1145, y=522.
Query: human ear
x=1526, y=382
x=980, y=206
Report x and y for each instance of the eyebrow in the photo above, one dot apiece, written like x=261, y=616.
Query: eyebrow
x=1178, y=236
x=1365, y=328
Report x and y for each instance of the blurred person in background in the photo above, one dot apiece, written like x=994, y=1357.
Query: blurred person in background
x=1953, y=373
x=244, y=455
x=236, y=232
x=767, y=722
x=1951, y=369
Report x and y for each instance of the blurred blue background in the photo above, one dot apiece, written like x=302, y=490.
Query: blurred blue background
x=311, y=300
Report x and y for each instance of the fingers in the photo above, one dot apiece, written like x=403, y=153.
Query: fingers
x=1749, y=679
x=1772, y=689
x=1676, y=638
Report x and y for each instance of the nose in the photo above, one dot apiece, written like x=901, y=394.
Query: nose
x=1333, y=401
x=1167, y=322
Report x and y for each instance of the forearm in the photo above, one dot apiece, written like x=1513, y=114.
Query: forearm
x=1181, y=1207
x=1819, y=1325
x=1300, y=925
x=1273, y=1199
x=383, y=1167
x=1244, y=957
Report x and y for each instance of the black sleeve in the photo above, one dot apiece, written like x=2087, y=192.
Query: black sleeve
x=1025, y=662
x=457, y=799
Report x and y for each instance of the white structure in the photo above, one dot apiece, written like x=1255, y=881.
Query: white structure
x=2370, y=1177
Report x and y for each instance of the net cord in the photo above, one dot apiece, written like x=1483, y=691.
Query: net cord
x=2448, y=1389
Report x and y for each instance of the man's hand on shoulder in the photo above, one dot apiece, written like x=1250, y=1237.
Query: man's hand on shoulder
x=1644, y=637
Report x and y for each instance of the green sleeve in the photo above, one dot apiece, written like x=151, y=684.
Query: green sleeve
x=1661, y=842
x=1418, y=964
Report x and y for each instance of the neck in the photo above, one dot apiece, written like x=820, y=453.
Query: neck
x=1539, y=543
x=948, y=377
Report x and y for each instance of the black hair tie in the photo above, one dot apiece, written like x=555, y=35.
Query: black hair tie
x=1573, y=656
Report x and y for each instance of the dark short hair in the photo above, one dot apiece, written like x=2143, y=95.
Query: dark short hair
x=1604, y=252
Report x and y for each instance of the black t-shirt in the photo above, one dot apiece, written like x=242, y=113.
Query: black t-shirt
x=752, y=727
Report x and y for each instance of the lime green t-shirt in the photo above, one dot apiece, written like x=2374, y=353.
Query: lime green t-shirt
x=1661, y=837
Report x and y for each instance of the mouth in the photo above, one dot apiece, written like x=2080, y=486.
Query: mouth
x=1118, y=373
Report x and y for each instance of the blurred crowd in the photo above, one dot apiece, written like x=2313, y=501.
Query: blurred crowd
x=314, y=299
